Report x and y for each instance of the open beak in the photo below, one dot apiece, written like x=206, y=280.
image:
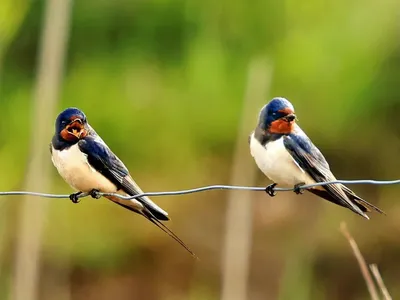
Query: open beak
x=76, y=128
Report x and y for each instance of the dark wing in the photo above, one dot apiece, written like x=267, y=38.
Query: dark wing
x=107, y=163
x=311, y=160
x=101, y=158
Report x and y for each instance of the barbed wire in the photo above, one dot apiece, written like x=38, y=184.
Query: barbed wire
x=202, y=189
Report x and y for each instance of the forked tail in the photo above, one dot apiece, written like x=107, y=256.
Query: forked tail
x=168, y=231
x=148, y=214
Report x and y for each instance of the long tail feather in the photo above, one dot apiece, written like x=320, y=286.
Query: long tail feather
x=153, y=219
x=363, y=205
x=168, y=231
x=325, y=195
x=361, y=201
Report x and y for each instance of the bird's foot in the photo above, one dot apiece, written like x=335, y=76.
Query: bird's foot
x=95, y=194
x=75, y=197
x=297, y=188
x=270, y=189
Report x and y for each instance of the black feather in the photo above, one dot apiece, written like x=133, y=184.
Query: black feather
x=149, y=216
x=311, y=160
x=101, y=158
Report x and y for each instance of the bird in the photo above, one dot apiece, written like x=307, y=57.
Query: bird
x=287, y=156
x=89, y=166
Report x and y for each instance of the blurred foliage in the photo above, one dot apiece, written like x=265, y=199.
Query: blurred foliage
x=163, y=81
x=12, y=14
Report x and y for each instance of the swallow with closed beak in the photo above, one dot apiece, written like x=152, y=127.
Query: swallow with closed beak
x=286, y=155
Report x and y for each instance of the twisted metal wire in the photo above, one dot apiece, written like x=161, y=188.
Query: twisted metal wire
x=202, y=189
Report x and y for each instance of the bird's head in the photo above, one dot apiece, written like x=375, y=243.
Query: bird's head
x=71, y=125
x=277, y=117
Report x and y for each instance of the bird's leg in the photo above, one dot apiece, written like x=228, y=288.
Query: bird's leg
x=75, y=197
x=270, y=189
x=95, y=194
x=297, y=188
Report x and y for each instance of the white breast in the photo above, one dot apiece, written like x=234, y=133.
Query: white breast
x=73, y=166
x=277, y=163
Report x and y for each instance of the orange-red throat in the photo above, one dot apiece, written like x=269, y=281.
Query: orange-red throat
x=285, y=124
x=75, y=130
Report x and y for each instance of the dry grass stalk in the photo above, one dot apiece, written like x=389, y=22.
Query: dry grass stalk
x=54, y=35
x=239, y=215
x=379, y=281
x=361, y=262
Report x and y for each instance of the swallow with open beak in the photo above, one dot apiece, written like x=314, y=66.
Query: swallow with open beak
x=285, y=154
x=88, y=165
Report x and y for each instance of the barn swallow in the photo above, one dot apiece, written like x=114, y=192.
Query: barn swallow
x=88, y=165
x=285, y=154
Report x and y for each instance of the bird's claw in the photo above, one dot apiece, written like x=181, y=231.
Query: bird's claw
x=297, y=188
x=75, y=197
x=270, y=189
x=95, y=194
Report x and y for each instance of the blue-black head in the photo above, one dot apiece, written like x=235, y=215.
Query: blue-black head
x=277, y=116
x=71, y=125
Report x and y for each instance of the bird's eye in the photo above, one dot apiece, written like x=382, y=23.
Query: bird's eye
x=63, y=122
x=274, y=114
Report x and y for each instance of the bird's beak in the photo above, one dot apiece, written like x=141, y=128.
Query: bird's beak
x=76, y=128
x=290, y=117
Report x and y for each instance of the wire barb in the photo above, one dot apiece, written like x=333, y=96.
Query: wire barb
x=200, y=189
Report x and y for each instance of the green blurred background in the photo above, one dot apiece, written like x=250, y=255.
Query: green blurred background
x=164, y=82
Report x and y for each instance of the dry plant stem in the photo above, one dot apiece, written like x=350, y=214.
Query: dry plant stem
x=379, y=281
x=239, y=214
x=361, y=262
x=54, y=35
